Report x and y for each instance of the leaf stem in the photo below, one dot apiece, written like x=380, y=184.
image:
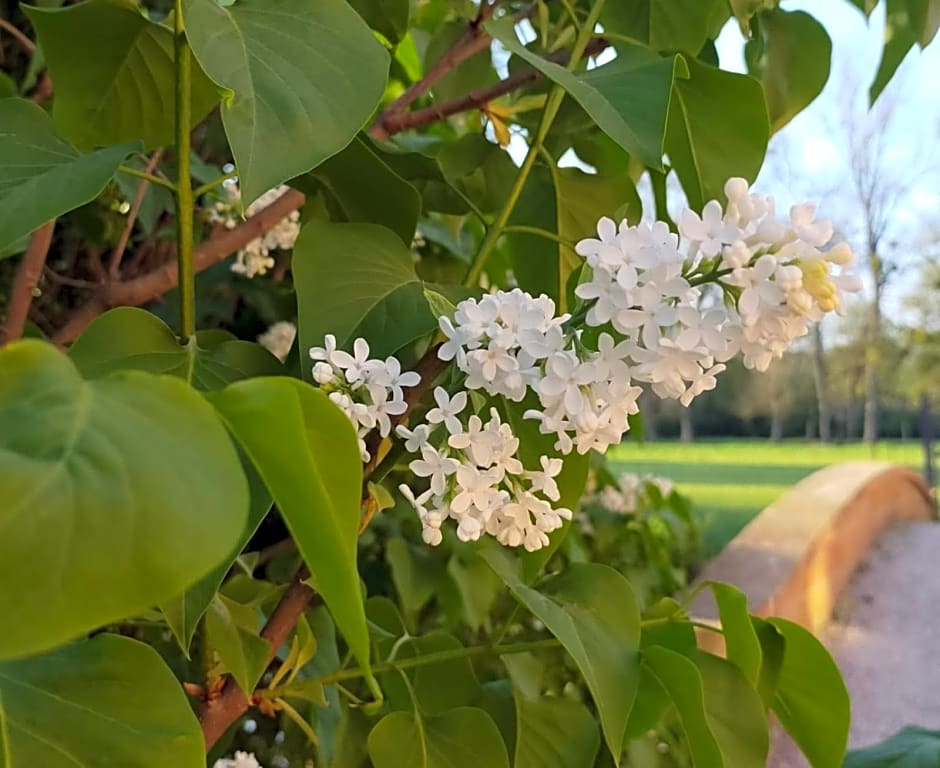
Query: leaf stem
x=184, y=187
x=552, y=105
x=152, y=178
x=210, y=185
x=538, y=232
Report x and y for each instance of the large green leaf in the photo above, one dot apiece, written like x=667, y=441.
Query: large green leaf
x=907, y=23
x=42, y=176
x=98, y=495
x=386, y=199
x=105, y=701
x=681, y=679
x=911, y=747
x=666, y=25
x=773, y=650
x=128, y=338
x=303, y=75
x=306, y=451
x=566, y=202
x=592, y=610
x=389, y=17
x=790, y=54
x=741, y=642
x=735, y=713
x=712, y=111
x=811, y=701
x=554, y=733
x=464, y=737
x=628, y=98
x=125, y=91
x=357, y=280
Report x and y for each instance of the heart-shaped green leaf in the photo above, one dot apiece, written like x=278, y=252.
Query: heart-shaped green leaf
x=125, y=91
x=100, y=497
x=42, y=176
x=108, y=700
x=303, y=77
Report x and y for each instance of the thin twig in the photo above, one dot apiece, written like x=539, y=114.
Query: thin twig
x=55, y=277
x=114, y=266
x=25, y=281
x=28, y=45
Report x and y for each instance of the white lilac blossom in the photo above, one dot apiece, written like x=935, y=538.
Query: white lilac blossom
x=624, y=497
x=278, y=339
x=240, y=760
x=475, y=479
x=669, y=313
x=368, y=391
x=255, y=257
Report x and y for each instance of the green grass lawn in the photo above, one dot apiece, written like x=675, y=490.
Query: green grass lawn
x=731, y=481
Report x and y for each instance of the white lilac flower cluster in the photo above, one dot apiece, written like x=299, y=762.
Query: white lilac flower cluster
x=255, y=258
x=240, y=760
x=668, y=312
x=476, y=479
x=279, y=338
x=624, y=497
x=368, y=391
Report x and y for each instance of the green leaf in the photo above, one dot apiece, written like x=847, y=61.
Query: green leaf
x=387, y=199
x=388, y=17
x=571, y=481
x=436, y=687
x=682, y=680
x=416, y=577
x=791, y=56
x=712, y=111
x=183, y=612
x=125, y=92
x=907, y=23
x=628, y=98
x=128, y=338
x=42, y=176
x=741, y=642
x=565, y=202
x=477, y=585
x=735, y=713
x=105, y=700
x=303, y=78
x=592, y=610
x=812, y=702
x=464, y=737
x=306, y=451
x=555, y=733
x=7, y=86
x=479, y=169
x=666, y=25
x=104, y=459
x=357, y=280
x=773, y=650
x=236, y=643
x=911, y=747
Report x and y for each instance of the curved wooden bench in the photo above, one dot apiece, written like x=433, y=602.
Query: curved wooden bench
x=797, y=555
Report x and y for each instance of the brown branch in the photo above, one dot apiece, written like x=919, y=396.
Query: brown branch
x=474, y=40
x=219, y=715
x=397, y=123
x=25, y=281
x=114, y=266
x=28, y=45
x=153, y=284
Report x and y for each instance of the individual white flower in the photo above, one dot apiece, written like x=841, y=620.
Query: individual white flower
x=543, y=481
x=436, y=466
x=447, y=410
x=709, y=232
x=564, y=376
x=355, y=365
x=415, y=439
x=703, y=382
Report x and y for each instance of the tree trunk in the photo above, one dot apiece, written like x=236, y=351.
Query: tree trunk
x=649, y=407
x=776, y=426
x=686, y=430
x=822, y=390
x=873, y=337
